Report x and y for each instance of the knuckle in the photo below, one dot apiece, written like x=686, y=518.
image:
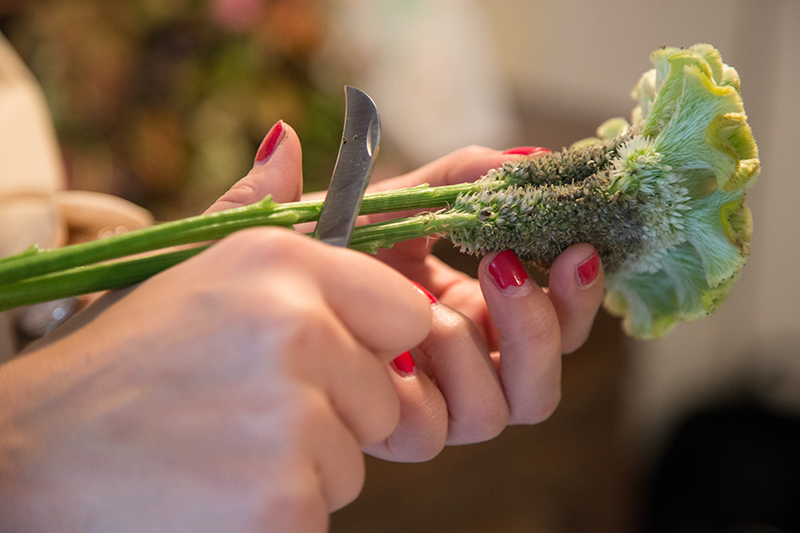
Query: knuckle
x=540, y=411
x=494, y=421
x=242, y=193
x=483, y=420
x=577, y=339
x=379, y=428
x=548, y=407
x=263, y=245
x=292, y=502
x=420, y=440
x=304, y=412
x=305, y=329
x=422, y=451
x=542, y=331
x=472, y=151
x=308, y=420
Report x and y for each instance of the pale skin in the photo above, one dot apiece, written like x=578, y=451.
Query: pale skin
x=238, y=390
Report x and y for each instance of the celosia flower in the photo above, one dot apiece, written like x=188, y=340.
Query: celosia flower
x=662, y=199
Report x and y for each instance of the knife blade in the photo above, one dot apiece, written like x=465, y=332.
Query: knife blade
x=357, y=153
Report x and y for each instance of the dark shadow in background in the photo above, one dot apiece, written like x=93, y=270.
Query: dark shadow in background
x=734, y=467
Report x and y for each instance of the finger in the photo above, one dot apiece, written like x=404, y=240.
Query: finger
x=327, y=355
x=421, y=432
x=466, y=164
x=576, y=290
x=317, y=299
x=453, y=396
x=462, y=292
x=333, y=450
x=386, y=313
x=455, y=357
x=450, y=286
x=529, y=337
x=381, y=309
x=277, y=170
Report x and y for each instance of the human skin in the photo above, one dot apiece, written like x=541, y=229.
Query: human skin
x=237, y=391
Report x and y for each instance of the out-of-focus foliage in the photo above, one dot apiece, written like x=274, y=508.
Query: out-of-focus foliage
x=165, y=102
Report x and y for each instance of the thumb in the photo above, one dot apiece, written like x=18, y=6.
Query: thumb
x=277, y=170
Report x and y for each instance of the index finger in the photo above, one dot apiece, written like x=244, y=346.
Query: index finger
x=466, y=164
x=378, y=305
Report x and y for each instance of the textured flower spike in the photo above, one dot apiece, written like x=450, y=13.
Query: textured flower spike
x=662, y=199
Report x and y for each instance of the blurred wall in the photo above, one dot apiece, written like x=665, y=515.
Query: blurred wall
x=432, y=68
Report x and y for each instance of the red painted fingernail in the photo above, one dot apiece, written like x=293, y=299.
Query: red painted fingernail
x=426, y=292
x=507, y=271
x=270, y=143
x=404, y=364
x=587, y=271
x=525, y=150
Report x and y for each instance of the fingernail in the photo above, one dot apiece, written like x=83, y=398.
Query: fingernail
x=587, y=271
x=426, y=292
x=525, y=150
x=507, y=271
x=270, y=143
x=404, y=364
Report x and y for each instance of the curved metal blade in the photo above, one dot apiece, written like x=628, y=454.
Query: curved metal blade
x=357, y=153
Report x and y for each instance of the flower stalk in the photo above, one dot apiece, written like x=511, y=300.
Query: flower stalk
x=662, y=199
x=35, y=275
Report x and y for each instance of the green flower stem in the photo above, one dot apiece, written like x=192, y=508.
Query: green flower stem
x=420, y=197
x=36, y=276
x=84, y=280
x=371, y=237
x=33, y=263
x=124, y=273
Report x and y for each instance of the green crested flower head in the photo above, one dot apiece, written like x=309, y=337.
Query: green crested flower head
x=688, y=156
x=662, y=199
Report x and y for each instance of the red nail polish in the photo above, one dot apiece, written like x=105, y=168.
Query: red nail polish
x=404, y=364
x=426, y=292
x=526, y=150
x=270, y=143
x=587, y=271
x=507, y=271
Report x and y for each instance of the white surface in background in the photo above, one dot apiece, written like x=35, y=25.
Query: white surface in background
x=432, y=68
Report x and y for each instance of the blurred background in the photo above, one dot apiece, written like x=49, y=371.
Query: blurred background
x=165, y=103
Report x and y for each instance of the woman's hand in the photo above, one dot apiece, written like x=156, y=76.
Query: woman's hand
x=233, y=392
x=493, y=357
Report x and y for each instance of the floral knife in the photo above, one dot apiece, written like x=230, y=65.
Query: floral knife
x=357, y=153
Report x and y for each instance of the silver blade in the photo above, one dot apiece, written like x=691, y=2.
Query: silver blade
x=357, y=153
